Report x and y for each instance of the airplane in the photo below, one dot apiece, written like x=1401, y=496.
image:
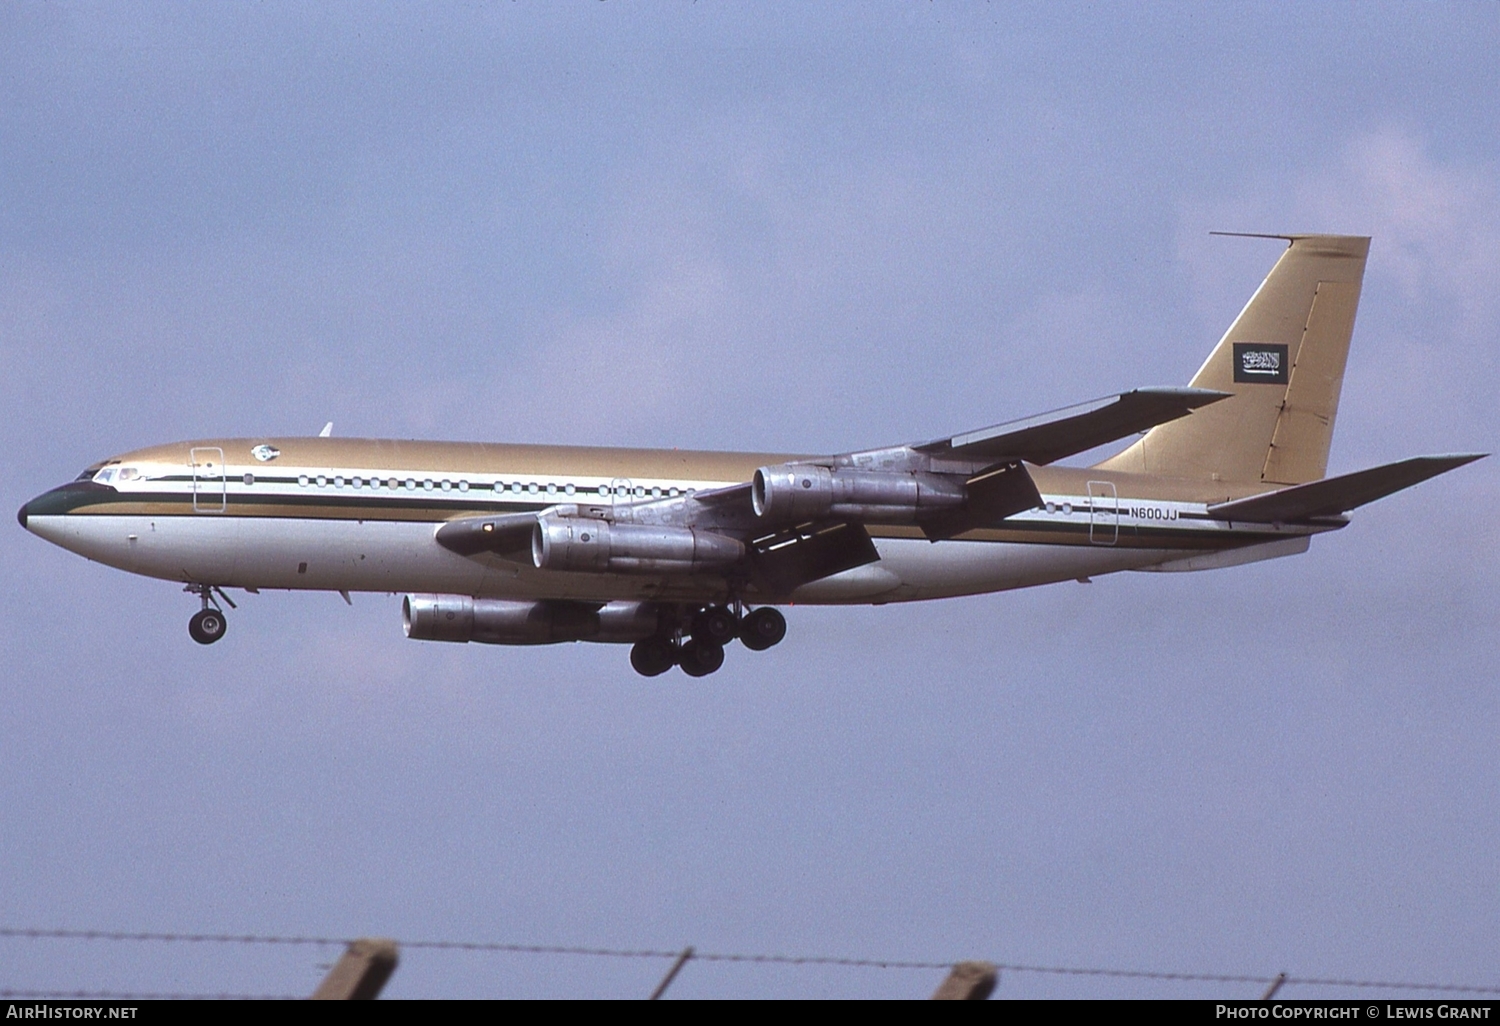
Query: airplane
x=678, y=553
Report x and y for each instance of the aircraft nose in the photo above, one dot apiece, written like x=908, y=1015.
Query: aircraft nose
x=21, y=514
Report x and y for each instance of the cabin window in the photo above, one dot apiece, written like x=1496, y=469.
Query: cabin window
x=1067, y=509
x=427, y=484
x=447, y=485
x=302, y=480
x=604, y=489
x=249, y=480
x=411, y=484
x=322, y=481
x=338, y=482
x=656, y=493
x=358, y=482
x=672, y=492
x=463, y=486
x=516, y=487
x=569, y=489
x=533, y=488
x=551, y=488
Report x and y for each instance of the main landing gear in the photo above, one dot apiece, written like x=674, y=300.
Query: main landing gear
x=208, y=624
x=711, y=628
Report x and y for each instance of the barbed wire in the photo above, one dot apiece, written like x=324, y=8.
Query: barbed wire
x=115, y=995
x=32, y=933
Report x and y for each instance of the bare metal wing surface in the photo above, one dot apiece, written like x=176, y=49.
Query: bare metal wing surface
x=1055, y=435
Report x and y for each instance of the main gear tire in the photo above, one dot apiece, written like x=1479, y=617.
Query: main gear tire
x=762, y=628
x=715, y=624
x=700, y=658
x=207, y=626
x=653, y=657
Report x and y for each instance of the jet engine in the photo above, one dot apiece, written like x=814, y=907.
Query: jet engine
x=790, y=492
x=507, y=622
x=598, y=546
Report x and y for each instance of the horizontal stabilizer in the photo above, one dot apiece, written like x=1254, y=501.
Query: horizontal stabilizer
x=1334, y=495
x=1073, y=429
x=507, y=535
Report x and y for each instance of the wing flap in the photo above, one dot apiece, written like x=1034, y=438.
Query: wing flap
x=784, y=561
x=1051, y=436
x=994, y=494
x=1334, y=495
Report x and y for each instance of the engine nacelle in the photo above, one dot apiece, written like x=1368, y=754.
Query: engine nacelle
x=506, y=622
x=598, y=546
x=791, y=491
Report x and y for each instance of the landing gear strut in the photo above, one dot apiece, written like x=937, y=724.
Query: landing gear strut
x=208, y=624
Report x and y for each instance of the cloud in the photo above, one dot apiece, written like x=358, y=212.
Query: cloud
x=1437, y=224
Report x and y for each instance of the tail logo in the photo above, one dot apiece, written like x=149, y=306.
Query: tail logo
x=1260, y=363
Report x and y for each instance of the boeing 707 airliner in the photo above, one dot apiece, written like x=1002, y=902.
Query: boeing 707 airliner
x=679, y=553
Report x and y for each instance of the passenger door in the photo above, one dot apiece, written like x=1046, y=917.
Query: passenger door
x=1104, y=513
x=208, y=479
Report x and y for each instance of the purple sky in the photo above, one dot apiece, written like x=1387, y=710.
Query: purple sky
x=771, y=228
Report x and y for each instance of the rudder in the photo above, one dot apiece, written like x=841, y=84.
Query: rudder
x=1282, y=361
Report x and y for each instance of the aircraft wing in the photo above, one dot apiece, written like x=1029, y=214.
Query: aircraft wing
x=1073, y=429
x=1334, y=495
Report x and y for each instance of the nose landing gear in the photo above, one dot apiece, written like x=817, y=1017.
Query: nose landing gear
x=208, y=624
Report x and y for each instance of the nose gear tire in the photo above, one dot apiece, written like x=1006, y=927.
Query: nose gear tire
x=207, y=626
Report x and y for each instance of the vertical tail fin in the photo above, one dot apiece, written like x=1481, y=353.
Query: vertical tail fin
x=1282, y=360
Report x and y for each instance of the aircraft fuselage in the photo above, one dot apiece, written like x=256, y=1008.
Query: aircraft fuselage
x=361, y=515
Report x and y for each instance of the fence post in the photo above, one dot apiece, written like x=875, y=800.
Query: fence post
x=969, y=981
x=361, y=972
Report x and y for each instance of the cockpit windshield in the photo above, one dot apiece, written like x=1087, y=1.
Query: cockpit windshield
x=112, y=473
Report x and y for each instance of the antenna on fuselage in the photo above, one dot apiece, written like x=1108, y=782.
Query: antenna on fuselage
x=327, y=431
